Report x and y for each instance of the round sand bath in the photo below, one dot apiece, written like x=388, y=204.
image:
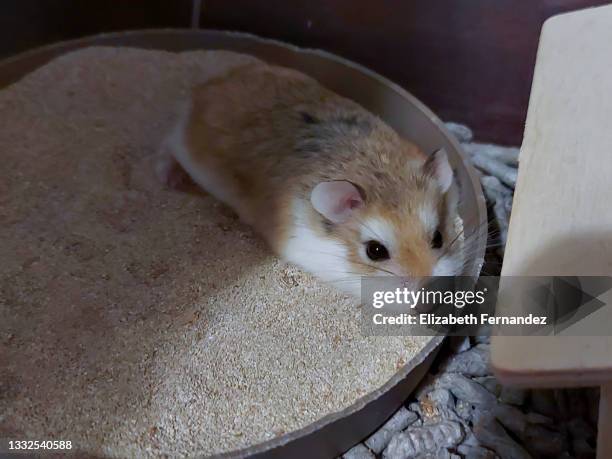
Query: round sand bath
x=141, y=321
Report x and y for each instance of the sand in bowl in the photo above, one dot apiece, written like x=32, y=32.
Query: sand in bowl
x=142, y=321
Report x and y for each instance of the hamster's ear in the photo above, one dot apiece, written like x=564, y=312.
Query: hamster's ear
x=438, y=167
x=336, y=200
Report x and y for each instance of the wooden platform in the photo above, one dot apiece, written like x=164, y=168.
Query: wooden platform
x=562, y=216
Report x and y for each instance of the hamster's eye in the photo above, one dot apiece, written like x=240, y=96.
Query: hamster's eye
x=436, y=240
x=376, y=251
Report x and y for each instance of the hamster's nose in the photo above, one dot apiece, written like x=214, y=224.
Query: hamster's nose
x=422, y=270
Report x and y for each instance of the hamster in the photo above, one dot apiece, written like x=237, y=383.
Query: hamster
x=328, y=185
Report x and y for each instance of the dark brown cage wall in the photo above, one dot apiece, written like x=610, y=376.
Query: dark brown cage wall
x=471, y=62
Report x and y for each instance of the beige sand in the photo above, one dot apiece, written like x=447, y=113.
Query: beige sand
x=139, y=321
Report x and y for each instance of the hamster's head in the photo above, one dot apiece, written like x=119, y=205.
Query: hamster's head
x=403, y=223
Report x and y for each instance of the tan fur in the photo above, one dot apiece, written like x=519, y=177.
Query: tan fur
x=274, y=133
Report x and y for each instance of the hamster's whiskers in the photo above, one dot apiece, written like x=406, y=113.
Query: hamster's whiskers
x=468, y=239
x=378, y=268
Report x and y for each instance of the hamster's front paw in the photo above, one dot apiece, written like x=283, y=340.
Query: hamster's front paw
x=170, y=173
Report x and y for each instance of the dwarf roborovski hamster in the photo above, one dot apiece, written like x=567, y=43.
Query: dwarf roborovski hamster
x=329, y=186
